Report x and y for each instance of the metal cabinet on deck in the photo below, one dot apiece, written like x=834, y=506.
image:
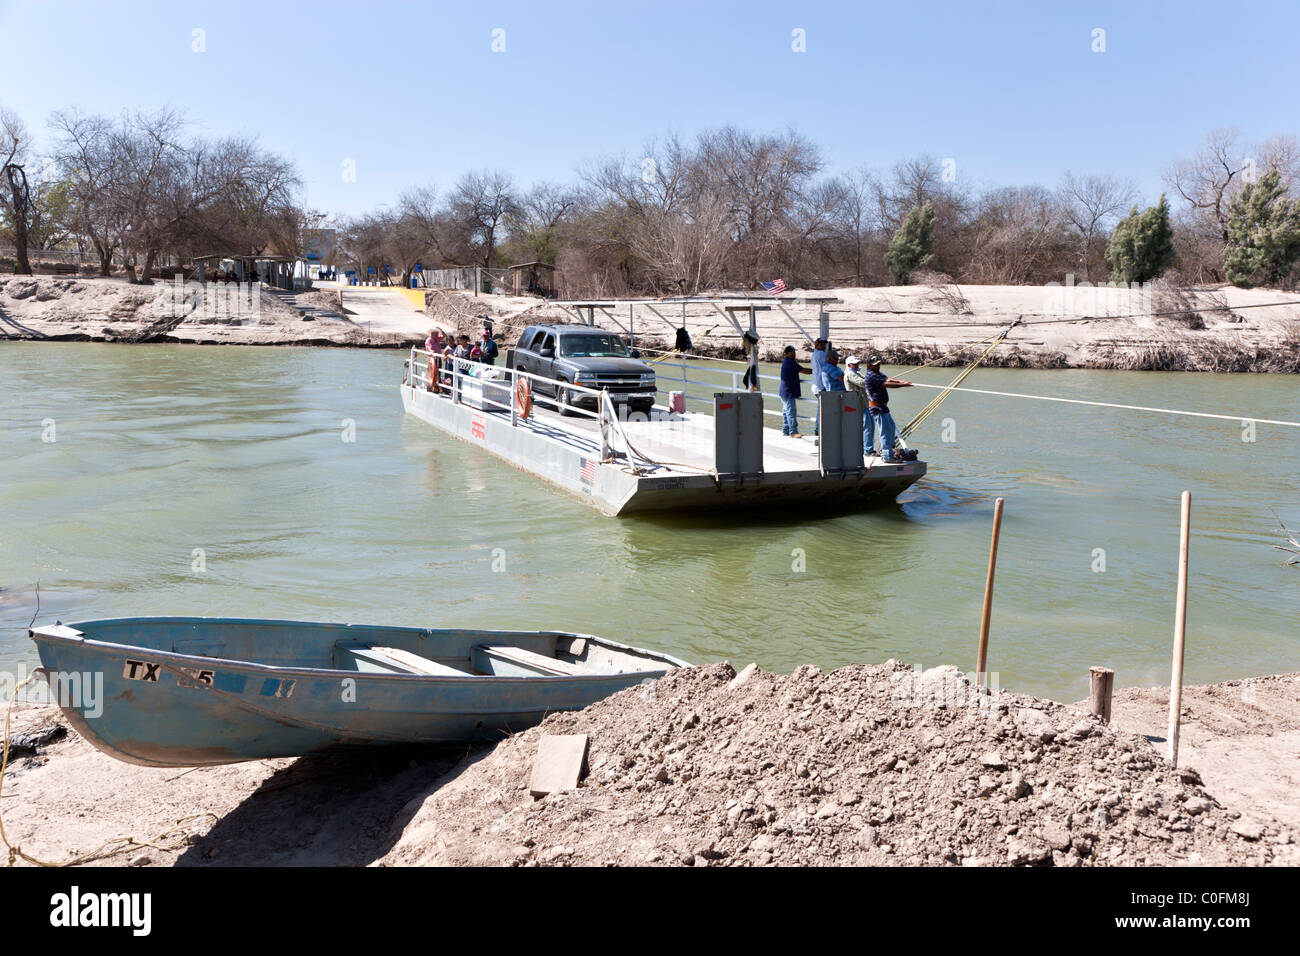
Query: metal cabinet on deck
x=738, y=433
x=839, y=446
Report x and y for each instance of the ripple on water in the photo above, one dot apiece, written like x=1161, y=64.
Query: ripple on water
x=238, y=454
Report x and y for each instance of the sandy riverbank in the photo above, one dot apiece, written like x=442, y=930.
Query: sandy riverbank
x=113, y=310
x=855, y=766
x=909, y=325
x=1063, y=328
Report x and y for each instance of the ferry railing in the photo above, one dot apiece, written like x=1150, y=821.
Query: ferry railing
x=736, y=386
x=451, y=376
x=451, y=381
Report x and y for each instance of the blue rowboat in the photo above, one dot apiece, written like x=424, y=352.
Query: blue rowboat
x=194, y=691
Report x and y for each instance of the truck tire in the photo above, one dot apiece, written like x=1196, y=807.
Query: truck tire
x=563, y=400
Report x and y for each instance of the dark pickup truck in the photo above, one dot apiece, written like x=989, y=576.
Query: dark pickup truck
x=584, y=355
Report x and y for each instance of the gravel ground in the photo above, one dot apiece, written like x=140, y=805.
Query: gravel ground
x=872, y=765
x=863, y=765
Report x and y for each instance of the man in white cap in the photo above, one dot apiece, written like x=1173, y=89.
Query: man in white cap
x=883, y=427
x=857, y=382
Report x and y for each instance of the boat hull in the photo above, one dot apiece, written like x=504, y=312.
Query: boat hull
x=163, y=709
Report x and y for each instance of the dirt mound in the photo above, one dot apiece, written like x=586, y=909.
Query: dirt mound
x=1242, y=735
x=863, y=765
x=463, y=313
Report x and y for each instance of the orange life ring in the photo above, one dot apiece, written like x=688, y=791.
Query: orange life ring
x=523, y=397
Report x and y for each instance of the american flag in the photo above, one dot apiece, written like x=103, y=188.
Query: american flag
x=588, y=472
x=775, y=287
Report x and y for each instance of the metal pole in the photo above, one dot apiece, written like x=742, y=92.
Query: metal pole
x=1180, y=632
x=753, y=349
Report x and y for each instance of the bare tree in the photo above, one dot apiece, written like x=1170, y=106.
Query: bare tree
x=1207, y=180
x=912, y=184
x=361, y=242
x=647, y=224
x=916, y=181
x=231, y=195
x=857, y=216
x=1090, y=204
x=1017, y=235
x=426, y=221
x=760, y=178
x=481, y=202
x=1281, y=153
x=141, y=185
x=149, y=152
x=17, y=196
x=85, y=158
x=540, y=215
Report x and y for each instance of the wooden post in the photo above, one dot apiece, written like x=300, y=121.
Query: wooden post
x=1180, y=633
x=983, y=658
x=1102, y=685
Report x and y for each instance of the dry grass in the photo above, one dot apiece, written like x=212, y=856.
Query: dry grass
x=912, y=354
x=943, y=292
x=1175, y=304
x=1171, y=351
x=1217, y=303
x=1178, y=352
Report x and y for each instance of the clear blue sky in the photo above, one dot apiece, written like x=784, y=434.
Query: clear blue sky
x=415, y=95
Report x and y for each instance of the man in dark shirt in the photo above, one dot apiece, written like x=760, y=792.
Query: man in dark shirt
x=882, y=423
x=489, y=347
x=789, y=391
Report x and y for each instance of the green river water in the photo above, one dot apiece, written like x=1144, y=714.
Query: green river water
x=163, y=452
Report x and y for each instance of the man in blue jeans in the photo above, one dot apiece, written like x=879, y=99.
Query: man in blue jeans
x=789, y=391
x=882, y=423
x=855, y=380
x=818, y=383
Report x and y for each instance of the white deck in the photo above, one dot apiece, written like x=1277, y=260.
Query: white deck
x=685, y=440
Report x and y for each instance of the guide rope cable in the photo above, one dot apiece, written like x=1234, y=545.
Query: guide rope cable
x=1132, y=408
x=947, y=390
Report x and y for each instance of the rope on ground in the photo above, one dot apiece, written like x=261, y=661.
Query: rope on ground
x=1131, y=408
x=107, y=849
